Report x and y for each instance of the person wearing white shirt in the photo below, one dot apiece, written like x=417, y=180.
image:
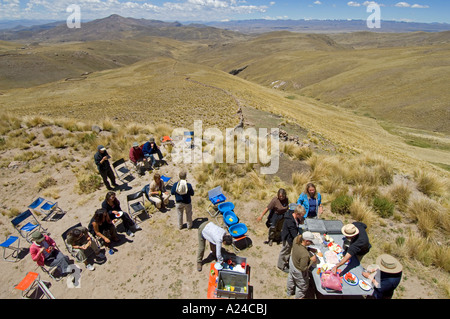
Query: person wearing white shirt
x=208, y=231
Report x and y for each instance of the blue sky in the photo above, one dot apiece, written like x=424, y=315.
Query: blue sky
x=217, y=10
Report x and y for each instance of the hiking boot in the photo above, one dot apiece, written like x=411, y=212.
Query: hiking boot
x=270, y=242
x=199, y=266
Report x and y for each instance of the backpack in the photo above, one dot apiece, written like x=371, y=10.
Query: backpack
x=182, y=187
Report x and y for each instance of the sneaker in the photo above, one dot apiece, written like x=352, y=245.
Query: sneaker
x=137, y=227
x=90, y=267
x=270, y=242
x=199, y=266
x=130, y=233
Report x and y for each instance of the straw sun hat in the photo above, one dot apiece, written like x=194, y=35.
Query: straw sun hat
x=389, y=264
x=350, y=230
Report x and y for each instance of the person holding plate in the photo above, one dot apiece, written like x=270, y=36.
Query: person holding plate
x=358, y=247
x=112, y=205
x=387, y=276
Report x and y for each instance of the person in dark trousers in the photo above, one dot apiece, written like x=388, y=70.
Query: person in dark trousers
x=183, y=192
x=277, y=207
x=149, y=149
x=387, y=277
x=288, y=233
x=359, y=246
x=101, y=159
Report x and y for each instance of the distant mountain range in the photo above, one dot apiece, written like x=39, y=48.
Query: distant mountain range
x=115, y=26
x=325, y=26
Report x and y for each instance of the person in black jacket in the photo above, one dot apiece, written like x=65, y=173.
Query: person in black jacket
x=290, y=230
x=104, y=168
x=358, y=247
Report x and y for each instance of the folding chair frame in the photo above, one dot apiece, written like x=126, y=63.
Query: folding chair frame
x=8, y=244
x=216, y=197
x=124, y=170
x=136, y=204
x=30, y=283
x=49, y=208
x=26, y=230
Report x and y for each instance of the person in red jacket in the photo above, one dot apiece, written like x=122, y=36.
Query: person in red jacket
x=43, y=251
x=138, y=159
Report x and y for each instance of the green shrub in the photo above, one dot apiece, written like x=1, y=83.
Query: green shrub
x=383, y=206
x=341, y=205
x=89, y=183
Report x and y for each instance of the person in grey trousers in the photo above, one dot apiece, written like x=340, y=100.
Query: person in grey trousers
x=183, y=192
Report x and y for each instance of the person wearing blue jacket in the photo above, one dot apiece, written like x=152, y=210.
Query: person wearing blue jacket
x=312, y=201
x=149, y=149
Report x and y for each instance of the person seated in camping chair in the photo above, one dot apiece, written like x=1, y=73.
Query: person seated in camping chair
x=79, y=241
x=149, y=149
x=137, y=157
x=157, y=192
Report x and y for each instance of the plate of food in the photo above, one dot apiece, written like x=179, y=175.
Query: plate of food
x=118, y=214
x=364, y=284
x=328, y=238
x=351, y=279
x=334, y=247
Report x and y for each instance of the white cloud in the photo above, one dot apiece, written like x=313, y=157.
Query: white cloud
x=419, y=6
x=403, y=5
x=414, y=6
x=168, y=10
x=317, y=2
x=353, y=4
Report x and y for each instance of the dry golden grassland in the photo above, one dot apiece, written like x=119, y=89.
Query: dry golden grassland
x=394, y=187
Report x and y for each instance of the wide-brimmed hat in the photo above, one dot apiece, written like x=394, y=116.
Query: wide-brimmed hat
x=37, y=236
x=389, y=264
x=135, y=144
x=350, y=230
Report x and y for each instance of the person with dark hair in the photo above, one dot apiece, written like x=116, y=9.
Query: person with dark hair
x=208, y=231
x=138, y=159
x=112, y=205
x=101, y=159
x=78, y=241
x=149, y=149
x=277, y=207
x=311, y=200
x=102, y=227
x=288, y=233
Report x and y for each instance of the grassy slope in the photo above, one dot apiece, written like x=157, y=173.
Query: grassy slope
x=400, y=83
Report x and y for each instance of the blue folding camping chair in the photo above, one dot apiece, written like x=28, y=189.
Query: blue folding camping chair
x=216, y=197
x=49, y=208
x=25, y=228
x=9, y=244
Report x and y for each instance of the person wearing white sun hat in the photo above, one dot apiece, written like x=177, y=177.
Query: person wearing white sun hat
x=387, y=278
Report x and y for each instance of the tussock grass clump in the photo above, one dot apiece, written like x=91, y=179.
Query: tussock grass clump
x=341, y=204
x=400, y=194
x=383, y=206
x=429, y=184
x=360, y=211
x=47, y=182
x=88, y=183
x=427, y=215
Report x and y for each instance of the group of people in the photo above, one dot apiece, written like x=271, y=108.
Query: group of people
x=296, y=258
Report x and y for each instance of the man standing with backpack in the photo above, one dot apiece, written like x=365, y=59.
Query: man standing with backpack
x=183, y=192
